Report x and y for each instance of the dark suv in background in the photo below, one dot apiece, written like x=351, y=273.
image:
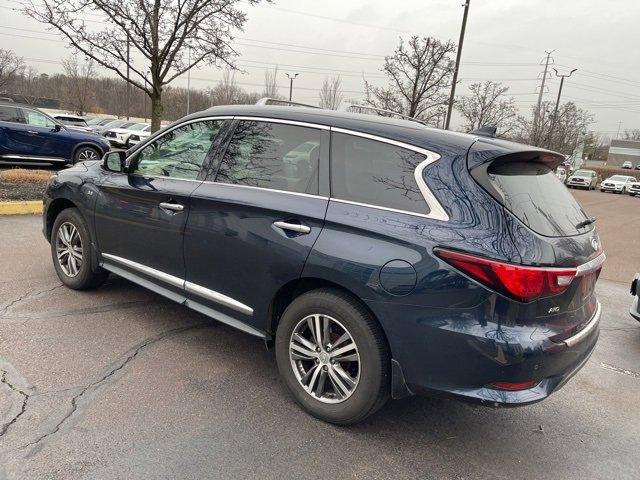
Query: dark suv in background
x=29, y=136
x=380, y=257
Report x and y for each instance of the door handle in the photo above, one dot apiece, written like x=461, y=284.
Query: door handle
x=174, y=207
x=32, y=132
x=293, y=227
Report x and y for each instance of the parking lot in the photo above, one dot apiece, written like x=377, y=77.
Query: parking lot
x=121, y=383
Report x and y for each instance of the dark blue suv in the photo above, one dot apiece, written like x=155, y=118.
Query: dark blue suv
x=378, y=256
x=29, y=136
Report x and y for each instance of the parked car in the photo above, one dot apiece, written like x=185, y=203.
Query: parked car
x=73, y=122
x=561, y=173
x=28, y=135
x=635, y=291
x=389, y=259
x=638, y=166
x=137, y=137
x=119, y=137
x=583, y=179
x=617, y=184
x=627, y=164
x=95, y=124
x=634, y=189
x=114, y=124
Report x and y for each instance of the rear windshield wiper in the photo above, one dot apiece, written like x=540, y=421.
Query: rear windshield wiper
x=586, y=222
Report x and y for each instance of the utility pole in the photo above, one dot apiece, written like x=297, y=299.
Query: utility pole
x=188, y=78
x=128, y=84
x=291, y=79
x=457, y=65
x=555, y=111
x=618, y=132
x=544, y=78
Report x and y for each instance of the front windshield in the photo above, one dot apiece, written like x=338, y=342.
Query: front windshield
x=618, y=178
x=138, y=126
x=582, y=173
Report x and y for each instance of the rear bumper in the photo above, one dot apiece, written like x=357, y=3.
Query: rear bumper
x=445, y=359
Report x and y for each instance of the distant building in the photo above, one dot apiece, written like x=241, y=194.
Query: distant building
x=622, y=151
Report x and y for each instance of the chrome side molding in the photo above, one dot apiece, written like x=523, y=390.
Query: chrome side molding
x=178, y=282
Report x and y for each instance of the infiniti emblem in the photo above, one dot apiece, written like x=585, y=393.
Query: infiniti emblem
x=594, y=244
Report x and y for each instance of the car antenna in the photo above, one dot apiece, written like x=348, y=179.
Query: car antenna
x=586, y=222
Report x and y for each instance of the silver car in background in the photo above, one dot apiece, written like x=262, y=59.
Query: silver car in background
x=583, y=179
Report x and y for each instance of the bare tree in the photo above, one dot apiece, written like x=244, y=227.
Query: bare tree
x=419, y=72
x=172, y=36
x=487, y=105
x=633, y=134
x=79, y=84
x=562, y=133
x=11, y=66
x=271, y=88
x=331, y=93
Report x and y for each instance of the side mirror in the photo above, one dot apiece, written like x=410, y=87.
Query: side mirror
x=57, y=127
x=115, y=161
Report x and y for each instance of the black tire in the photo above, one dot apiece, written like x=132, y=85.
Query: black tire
x=89, y=274
x=86, y=152
x=373, y=387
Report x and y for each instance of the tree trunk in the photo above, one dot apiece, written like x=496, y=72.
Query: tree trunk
x=156, y=109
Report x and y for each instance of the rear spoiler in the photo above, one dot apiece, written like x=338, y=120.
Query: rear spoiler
x=485, y=150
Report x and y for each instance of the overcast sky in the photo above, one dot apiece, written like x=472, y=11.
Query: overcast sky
x=505, y=41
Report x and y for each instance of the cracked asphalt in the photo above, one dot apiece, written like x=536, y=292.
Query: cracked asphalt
x=119, y=383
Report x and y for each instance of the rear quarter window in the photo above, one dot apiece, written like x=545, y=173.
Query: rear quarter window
x=375, y=173
x=534, y=194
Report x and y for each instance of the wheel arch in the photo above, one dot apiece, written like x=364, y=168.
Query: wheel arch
x=57, y=205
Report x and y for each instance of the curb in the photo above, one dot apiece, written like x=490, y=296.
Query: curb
x=33, y=207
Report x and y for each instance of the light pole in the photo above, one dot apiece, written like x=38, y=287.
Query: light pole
x=291, y=79
x=457, y=65
x=188, y=78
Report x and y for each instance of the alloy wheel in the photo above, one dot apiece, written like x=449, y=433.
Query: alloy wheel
x=69, y=249
x=324, y=358
x=87, y=154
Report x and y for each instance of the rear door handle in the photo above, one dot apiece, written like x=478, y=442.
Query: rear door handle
x=293, y=227
x=174, y=207
x=32, y=132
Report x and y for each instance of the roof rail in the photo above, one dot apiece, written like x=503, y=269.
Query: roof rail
x=349, y=107
x=278, y=101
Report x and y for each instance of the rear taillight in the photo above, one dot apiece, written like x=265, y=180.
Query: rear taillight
x=519, y=282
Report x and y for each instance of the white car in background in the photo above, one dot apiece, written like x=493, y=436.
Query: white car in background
x=583, y=179
x=617, y=184
x=627, y=164
x=561, y=173
x=634, y=189
x=119, y=137
x=137, y=137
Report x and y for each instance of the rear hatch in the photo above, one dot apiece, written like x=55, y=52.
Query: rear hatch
x=548, y=226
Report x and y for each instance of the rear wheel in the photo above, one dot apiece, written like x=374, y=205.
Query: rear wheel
x=72, y=252
x=84, y=154
x=333, y=357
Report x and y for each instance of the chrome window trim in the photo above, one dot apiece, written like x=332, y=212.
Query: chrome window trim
x=300, y=194
x=436, y=212
x=31, y=157
x=282, y=120
x=183, y=284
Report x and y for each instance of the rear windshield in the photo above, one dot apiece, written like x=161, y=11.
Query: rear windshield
x=534, y=194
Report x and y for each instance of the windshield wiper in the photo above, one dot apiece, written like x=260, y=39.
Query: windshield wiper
x=586, y=222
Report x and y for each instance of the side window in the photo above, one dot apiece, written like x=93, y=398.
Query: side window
x=11, y=114
x=272, y=155
x=375, y=173
x=37, y=119
x=180, y=152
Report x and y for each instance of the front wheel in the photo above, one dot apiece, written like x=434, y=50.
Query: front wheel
x=333, y=357
x=72, y=252
x=84, y=154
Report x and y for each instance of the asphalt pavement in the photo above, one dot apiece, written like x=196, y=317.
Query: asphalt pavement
x=119, y=383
